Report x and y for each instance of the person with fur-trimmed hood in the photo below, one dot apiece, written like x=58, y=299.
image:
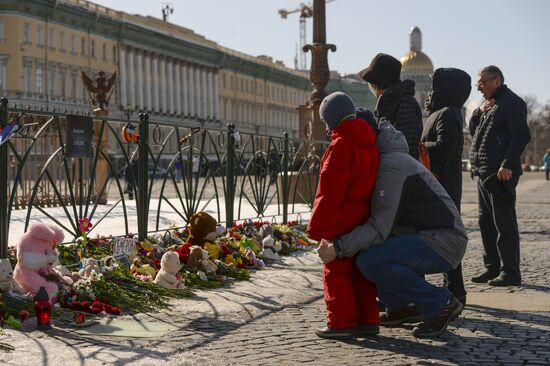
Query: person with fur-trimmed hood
x=443, y=137
x=342, y=201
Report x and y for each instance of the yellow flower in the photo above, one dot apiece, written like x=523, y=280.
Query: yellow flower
x=230, y=260
x=213, y=249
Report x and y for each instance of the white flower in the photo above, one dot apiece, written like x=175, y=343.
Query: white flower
x=202, y=276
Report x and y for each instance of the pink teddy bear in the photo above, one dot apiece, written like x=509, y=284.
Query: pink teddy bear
x=36, y=255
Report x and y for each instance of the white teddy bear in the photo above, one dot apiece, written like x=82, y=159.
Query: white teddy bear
x=270, y=250
x=168, y=276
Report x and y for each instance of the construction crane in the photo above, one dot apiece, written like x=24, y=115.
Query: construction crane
x=306, y=11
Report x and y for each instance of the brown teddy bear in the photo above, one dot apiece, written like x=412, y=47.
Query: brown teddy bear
x=202, y=227
x=200, y=259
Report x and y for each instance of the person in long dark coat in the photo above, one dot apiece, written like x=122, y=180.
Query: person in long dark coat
x=443, y=137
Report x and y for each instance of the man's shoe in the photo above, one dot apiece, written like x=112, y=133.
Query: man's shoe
x=434, y=327
x=344, y=333
x=504, y=281
x=408, y=314
x=462, y=299
x=484, y=277
x=367, y=330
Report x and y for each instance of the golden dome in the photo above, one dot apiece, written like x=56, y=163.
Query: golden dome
x=417, y=62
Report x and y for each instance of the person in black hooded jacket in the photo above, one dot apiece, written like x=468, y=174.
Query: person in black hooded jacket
x=443, y=137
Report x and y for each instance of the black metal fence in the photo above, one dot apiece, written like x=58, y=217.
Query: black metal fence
x=174, y=169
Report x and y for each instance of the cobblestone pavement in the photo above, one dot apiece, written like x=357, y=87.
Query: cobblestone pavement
x=270, y=320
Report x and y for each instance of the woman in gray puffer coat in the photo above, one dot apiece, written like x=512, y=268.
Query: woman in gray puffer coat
x=443, y=137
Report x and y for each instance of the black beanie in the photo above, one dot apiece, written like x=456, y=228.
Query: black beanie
x=335, y=108
x=383, y=71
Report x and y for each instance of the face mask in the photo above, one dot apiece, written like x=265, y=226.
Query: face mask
x=428, y=103
x=372, y=90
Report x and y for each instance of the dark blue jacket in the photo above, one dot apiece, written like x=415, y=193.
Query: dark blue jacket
x=499, y=135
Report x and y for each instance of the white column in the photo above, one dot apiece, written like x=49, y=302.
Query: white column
x=210, y=99
x=122, y=83
x=162, y=76
x=204, y=90
x=177, y=78
x=185, y=89
x=198, y=92
x=131, y=79
x=140, y=80
x=192, y=90
x=148, y=85
x=156, y=84
x=216, y=96
x=170, y=73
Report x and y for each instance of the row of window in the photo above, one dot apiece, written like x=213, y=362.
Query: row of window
x=62, y=82
x=254, y=114
x=65, y=41
x=277, y=93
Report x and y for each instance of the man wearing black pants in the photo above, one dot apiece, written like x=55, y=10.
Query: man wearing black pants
x=500, y=134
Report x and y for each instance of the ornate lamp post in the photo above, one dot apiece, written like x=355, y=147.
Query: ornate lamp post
x=319, y=73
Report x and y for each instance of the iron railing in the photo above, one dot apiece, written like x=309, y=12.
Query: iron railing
x=172, y=169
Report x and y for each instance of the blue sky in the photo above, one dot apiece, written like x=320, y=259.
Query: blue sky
x=468, y=34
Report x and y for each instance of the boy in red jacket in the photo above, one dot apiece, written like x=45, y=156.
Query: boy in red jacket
x=342, y=202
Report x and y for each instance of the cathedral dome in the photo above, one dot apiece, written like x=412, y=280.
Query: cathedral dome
x=418, y=67
x=416, y=62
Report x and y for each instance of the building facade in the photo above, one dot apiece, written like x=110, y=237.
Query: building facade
x=176, y=75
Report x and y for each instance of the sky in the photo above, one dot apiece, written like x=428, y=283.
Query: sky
x=468, y=34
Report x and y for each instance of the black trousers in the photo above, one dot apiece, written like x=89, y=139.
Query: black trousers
x=499, y=232
x=454, y=281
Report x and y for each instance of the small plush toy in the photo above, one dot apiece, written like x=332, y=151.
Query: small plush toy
x=200, y=259
x=36, y=254
x=168, y=276
x=258, y=263
x=269, y=250
x=89, y=266
x=6, y=275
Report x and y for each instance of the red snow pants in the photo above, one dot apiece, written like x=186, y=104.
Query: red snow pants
x=350, y=297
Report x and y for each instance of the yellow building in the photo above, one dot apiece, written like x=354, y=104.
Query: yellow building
x=176, y=75
x=41, y=60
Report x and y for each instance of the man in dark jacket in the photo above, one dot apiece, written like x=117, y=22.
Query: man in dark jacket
x=443, y=137
x=396, y=100
x=500, y=134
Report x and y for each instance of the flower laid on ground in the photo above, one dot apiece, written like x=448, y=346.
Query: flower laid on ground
x=112, y=289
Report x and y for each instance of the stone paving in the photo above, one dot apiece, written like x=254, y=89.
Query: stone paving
x=271, y=319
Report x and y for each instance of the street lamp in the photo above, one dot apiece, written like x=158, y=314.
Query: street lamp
x=319, y=73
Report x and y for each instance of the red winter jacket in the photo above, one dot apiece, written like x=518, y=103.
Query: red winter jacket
x=348, y=174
